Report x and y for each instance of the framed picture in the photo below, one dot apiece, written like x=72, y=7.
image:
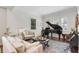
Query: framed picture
x=33, y=23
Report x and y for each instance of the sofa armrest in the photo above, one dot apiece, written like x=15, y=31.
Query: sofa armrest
x=35, y=49
x=35, y=44
x=26, y=44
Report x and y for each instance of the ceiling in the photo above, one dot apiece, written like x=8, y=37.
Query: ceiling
x=37, y=10
x=41, y=10
x=9, y=7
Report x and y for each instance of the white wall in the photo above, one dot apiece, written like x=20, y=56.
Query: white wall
x=17, y=20
x=2, y=21
x=11, y=21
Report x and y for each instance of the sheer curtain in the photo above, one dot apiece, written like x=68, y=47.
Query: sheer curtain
x=64, y=25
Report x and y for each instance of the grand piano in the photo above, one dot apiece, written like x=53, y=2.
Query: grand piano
x=55, y=29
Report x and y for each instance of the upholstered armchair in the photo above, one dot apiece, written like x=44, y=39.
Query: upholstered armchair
x=26, y=34
x=16, y=45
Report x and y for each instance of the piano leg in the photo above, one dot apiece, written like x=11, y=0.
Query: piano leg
x=51, y=35
x=59, y=36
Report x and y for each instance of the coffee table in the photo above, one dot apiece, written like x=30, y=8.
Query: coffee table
x=45, y=43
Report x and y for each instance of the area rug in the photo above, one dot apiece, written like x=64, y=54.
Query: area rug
x=57, y=47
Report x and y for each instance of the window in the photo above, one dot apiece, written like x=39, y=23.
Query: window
x=64, y=24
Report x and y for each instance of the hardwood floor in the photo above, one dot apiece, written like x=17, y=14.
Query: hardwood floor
x=61, y=39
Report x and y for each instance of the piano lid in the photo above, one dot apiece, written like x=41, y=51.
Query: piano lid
x=55, y=26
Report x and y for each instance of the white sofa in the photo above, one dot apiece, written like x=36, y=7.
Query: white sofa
x=7, y=47
x=17, y=45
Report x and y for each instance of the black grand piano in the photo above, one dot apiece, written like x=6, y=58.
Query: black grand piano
x=55, y=29
x=73, y=40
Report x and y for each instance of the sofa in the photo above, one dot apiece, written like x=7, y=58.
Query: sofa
x=17, y=45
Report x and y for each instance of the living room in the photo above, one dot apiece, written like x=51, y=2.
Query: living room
x=22, y=26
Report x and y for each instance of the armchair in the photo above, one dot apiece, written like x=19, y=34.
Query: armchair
x=27, y=34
